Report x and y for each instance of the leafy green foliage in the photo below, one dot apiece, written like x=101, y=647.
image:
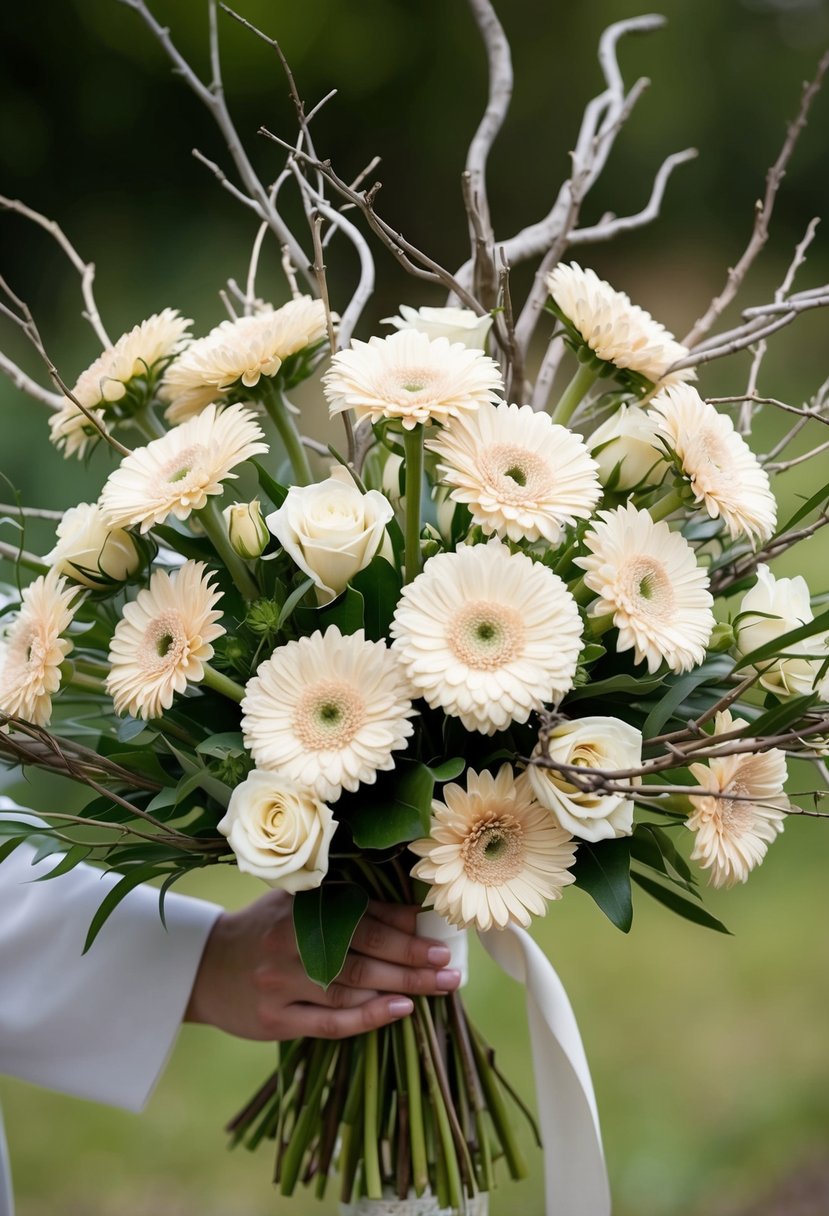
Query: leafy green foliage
x=325, y=921
x=603, y=871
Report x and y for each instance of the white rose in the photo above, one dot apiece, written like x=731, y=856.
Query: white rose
x=628, y=440
x=332, y=530
x=246, y=529
x=604, y=743
x=457, y=324
x=90, y=551
x=279, y=831
x=772, y=607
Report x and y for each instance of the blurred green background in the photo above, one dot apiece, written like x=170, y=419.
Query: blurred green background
x=709, y=1054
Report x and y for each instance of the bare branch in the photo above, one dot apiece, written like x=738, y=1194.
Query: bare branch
x=499, y=66
x=25, y=321
x=85, y=269
x=727, y=575
x=547, y=372
x=780, y=405
x=762, y=214
x=611, y=227
x=30, y=512
x=27, y=385
x=319, y=271
x=213, y=100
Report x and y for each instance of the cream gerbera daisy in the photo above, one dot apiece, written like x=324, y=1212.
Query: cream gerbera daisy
x=129, y=369
x=521, y=475
x=617, y=331
x=647, y=578
x=411, y=378
x=724, y=473
x=32, y=651
x=175, y=474
x=327, y=711
x=744, y=811
x=494, y=854
x=487, y=635
x=236, y=354
x=163, y=641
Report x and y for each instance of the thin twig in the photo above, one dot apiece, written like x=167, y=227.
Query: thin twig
x=762, y=214
x=27, y=385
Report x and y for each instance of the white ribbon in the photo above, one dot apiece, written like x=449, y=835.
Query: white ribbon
x=575, y=1176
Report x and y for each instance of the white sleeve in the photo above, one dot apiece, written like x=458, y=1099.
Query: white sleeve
x=98, y=1025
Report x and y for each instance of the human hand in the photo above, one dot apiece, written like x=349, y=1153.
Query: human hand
x=251, y=982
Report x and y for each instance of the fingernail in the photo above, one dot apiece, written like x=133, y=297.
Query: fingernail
x=438, y=956
x=448, y=979
x=400, y=1007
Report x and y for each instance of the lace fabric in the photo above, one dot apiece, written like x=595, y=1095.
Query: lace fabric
x=424, y=1205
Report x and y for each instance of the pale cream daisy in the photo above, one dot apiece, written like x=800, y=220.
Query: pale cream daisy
x=457, y=324
x=647, y=578
x=127, y=369
x=236, y=354
x=522, y=476
x=328, y=711
x=725, y=475
x=494, y=855
x=175, y=474
x=163, y=640
x=744, y=811
x=33, y=648
x=411, y=378
x=487, y=635
x=617, y=331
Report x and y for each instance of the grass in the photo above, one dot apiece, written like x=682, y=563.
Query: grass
x=707, y=1052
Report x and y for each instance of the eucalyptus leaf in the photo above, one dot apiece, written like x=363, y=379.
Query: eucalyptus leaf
x=680, y=688
x=678, y=903
x=325, y=921
x=622, y=683
x=228, y=743
x=271, y=488
x=603, y=871
x=293, y=600
x=134, y=878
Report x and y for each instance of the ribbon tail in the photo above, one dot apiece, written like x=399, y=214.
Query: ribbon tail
x=575, y=1176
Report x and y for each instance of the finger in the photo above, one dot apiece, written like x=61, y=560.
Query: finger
x=282, y=984
x=379, y=940
x=360, y=971
x=399, y=916
x=321, y=1023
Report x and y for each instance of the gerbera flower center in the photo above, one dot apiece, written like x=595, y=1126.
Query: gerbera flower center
x=515, y=473
x=165, y=643
x=186, y=464
x=328, y=715
x=413, y=382
x=647, y=587
x=493, y=851
x=486, y=635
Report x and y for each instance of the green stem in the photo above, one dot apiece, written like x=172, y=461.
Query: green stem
x=420, y=1168
x=214, y=525
x=497, y=1111
x=221, y=683
x=305, y=1128
x=448, y=1153
x=413, y=448
x=600, y=624
x=371, y=1160
x=148, y=424
x=282, y=419
x=88, y=683
x=585, y=376
x=667, y=505
x=581, y=593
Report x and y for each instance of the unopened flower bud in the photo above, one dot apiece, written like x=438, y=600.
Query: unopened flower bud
x=246, y=529
x=722, y=638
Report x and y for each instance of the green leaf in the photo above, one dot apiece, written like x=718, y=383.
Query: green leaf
x=229, y=743
x=775, y=720
x=803, y=510
x=646, y=848
x=449, y=769
x=324, y=922
x=678, y=903
x=72, y=858
x=640, y=685
x=271, y=488
x=400, y=812
x=287, y=609
x=680, y=688
x=668, y=849
x=131, y=729
x=115, y=895
x=197, y=548
x=603, y=871
x=379, y=585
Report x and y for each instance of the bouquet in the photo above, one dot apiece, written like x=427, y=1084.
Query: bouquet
x=509, y=635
